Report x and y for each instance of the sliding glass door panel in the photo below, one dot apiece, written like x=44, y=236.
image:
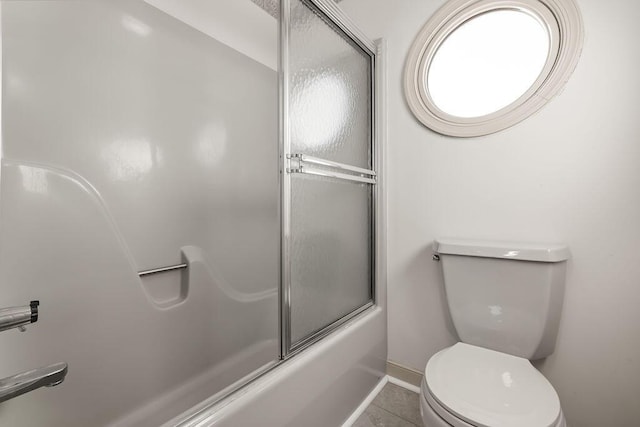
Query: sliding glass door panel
x=137, y=135
x=330, y=249
x=329, y=176
x=330, y=90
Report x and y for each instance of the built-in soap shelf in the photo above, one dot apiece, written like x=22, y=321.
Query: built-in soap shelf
x=167, y=286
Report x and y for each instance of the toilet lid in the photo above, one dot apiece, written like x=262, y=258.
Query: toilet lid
x=487, y=388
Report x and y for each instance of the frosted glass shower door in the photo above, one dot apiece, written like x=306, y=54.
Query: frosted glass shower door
x=329, y=181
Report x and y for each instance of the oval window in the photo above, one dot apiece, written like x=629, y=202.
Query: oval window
x=487, y=63
x=478, y=67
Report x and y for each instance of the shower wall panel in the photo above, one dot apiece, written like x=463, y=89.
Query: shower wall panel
x=133, y=141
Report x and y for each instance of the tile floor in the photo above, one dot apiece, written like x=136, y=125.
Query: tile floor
x=394, y=406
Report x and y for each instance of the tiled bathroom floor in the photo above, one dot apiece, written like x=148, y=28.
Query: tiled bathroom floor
x=394, y=406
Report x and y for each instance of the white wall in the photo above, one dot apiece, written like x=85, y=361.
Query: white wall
x=570, y=173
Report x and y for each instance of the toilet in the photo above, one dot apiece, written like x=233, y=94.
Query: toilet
x=505, y=301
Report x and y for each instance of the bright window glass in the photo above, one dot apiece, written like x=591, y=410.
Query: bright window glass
x=487, y=63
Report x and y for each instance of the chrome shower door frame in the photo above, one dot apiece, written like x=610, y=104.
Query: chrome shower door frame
x=335, y=15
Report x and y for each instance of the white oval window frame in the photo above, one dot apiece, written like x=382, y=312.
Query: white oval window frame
x=563, y=22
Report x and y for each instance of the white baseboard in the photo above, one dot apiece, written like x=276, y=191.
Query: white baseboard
x=377, y=389
x=404, y=373
x=366, y=402
x=403, y=384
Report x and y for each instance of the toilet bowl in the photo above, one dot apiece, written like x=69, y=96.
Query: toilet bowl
x=505, y=301
x=470, y=386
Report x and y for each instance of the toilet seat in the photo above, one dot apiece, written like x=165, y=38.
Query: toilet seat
x=434, y=415
x=473, y=386
x=438, y=412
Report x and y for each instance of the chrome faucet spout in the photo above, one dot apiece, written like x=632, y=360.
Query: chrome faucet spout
x=46, y=376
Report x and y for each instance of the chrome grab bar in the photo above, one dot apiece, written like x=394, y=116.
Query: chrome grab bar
x=46, y=376
x=366, y=176
x=162, y=269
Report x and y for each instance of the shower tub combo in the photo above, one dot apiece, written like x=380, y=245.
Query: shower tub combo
x=193, y=193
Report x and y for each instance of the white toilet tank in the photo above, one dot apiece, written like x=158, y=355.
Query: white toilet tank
x=505, y=296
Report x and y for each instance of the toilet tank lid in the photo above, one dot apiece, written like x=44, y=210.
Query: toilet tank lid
x=541, y=252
